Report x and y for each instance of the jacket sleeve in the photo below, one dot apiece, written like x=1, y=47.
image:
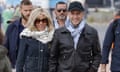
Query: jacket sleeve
x=109, y=38
x=54, y=51
x=8, y=67
x=21, y=55
x=96, y=53
x=6, y=39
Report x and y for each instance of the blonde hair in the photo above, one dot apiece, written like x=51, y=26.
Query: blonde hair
x=34, y=14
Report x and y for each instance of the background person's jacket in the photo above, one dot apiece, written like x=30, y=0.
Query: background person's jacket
x=112, y=36
x=11, y=41
x=5, y=65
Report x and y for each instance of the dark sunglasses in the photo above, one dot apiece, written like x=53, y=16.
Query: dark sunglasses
x=59, y=10
x=45, y=20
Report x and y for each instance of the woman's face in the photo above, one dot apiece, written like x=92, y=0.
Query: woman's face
x=41, y=22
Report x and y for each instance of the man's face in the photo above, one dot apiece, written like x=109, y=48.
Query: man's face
x=25, y=11
x=76, y=17
x=61, y=11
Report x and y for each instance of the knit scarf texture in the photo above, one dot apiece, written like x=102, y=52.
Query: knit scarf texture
x=43, y=36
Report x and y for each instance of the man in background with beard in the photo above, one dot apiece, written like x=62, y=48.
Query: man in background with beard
x=60, y=14
x=15, y=28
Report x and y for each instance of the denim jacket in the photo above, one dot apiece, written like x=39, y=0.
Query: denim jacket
x=33, y=56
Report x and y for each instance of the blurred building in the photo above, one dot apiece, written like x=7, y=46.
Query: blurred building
x=94, y=3
x=102, y=3
x=41, y=3
x=2, y=5
x=82, y=1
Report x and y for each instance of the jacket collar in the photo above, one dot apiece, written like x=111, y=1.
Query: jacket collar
x=64, y=30
x=86, y=30
x=17, y=22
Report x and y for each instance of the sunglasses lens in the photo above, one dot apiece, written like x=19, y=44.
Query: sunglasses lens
x=59, y=10
x=37, y=21
x=64, y=10
x=44, y=20
x=41, y=20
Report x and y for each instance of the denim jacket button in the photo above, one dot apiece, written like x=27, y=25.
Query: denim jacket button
x=64, y=57
x=41, y=50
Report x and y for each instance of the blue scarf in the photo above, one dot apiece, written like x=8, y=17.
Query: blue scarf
x=75, y=31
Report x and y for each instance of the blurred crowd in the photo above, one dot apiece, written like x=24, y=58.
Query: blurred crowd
x=33, y=39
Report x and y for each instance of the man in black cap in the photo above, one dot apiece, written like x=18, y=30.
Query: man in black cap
x=75, y=47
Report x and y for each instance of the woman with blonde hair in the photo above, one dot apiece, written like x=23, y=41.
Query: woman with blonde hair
x=34, y=44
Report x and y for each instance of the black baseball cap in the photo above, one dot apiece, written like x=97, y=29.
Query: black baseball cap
x=75, y=5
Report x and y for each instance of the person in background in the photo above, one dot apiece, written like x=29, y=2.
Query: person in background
x=1, y=8
x=112, y=43
x=0, y=20
x=15, y=28
x=17, y=11
x=35, y=41
x=76, y=47
x=60, y=15
x=6, y=15
x=10, y=21
x=16, y=15
x=117, y=15
x=5, y=65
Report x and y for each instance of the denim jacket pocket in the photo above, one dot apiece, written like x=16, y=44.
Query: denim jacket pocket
x=31, y=63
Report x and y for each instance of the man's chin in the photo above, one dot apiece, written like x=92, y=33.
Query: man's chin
x=62, y=17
